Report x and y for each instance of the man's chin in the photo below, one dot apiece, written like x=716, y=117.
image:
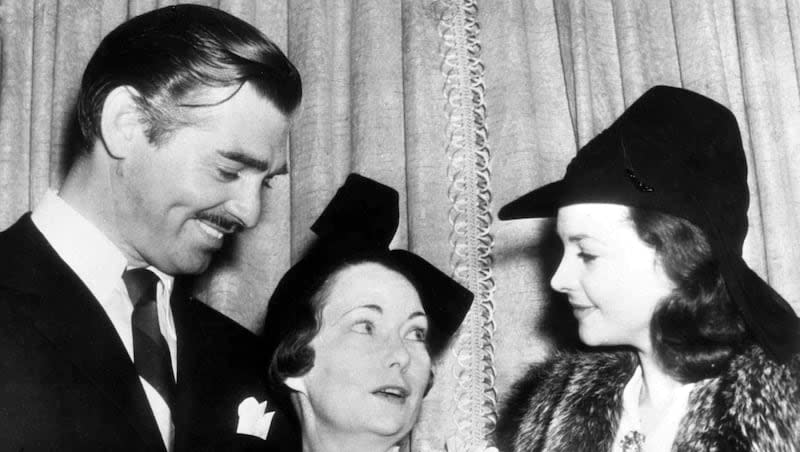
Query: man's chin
x=196, y=266
x=195, y=270
x=192, y=264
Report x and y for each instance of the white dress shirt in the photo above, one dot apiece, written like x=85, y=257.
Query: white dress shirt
x=100, y=264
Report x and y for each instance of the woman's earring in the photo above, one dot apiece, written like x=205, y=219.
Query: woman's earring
x=296, y=384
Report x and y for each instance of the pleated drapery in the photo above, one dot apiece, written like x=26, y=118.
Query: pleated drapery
x=460, y=105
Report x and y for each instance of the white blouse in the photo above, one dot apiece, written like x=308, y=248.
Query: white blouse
x=629, y=437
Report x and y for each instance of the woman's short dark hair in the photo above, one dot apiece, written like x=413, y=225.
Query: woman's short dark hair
x=697, y=329
x=168, y=53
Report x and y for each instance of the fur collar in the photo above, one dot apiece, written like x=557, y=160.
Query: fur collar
x=573, y=403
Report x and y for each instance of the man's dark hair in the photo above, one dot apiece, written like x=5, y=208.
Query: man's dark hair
x=168, y=54
x=697, y=329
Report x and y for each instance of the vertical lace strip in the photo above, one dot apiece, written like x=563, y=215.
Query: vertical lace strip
x=470, y=217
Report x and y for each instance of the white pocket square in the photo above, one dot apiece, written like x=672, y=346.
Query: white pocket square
x=252, y=418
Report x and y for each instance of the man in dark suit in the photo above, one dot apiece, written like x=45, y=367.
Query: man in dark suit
x=184, y=113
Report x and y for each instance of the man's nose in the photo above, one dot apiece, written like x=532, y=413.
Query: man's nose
x=246, y=204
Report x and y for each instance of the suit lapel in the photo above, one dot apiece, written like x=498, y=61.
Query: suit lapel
x=63, y=309
x=218, y=367
x=186, y=416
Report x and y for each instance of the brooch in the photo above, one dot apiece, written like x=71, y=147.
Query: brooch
x=633, y=442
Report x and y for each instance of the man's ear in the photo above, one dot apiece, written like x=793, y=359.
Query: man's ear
x=121, y=125
x=297, y=384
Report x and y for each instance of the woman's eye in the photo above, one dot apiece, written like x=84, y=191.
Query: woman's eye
x=586, y=257
x=364, y=327
x=417, y=334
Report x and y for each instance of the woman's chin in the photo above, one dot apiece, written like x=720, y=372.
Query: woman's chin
x=593, y=338
x=390, y=426
x=392, y=418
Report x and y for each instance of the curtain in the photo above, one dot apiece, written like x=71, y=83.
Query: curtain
x=460, y=105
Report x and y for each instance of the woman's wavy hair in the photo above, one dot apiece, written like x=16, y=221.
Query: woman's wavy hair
x=696, y=329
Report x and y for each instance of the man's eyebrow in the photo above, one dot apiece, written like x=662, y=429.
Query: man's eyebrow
x=246, y=160
x=284, y=169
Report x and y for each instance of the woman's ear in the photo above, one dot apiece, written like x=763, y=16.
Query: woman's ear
x=296, y=384
x=661, y=269
x=121, y=124
x=431, y=378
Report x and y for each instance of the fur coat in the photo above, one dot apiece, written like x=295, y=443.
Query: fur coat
x=573, y=403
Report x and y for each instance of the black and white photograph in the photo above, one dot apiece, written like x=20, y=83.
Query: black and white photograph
x=400, y=225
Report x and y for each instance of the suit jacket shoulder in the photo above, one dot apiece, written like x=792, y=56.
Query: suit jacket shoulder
x=66, y=381
x=220, y=363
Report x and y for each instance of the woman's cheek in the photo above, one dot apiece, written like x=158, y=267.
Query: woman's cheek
x=421, y=368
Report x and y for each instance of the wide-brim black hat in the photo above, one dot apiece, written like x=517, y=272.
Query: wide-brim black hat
x=680, y=153
x=359, y=224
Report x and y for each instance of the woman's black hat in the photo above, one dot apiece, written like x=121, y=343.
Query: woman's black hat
x=360, y=222
x=680, y=153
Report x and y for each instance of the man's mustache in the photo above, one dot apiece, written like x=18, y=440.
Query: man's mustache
x=224, y=222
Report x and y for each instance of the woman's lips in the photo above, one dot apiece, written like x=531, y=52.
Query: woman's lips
x=394, y=394
x=580, y=310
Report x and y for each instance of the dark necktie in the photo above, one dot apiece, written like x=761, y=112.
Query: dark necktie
x=150, y=351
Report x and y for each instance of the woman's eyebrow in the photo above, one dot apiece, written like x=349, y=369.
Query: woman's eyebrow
x=371, y=307
x=417, y=314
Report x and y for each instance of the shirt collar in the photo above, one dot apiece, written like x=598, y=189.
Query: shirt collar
x=85, y=249
x=166, y=280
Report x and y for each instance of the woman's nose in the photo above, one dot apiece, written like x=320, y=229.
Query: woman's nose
x=398, y=354
x=562, y=278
